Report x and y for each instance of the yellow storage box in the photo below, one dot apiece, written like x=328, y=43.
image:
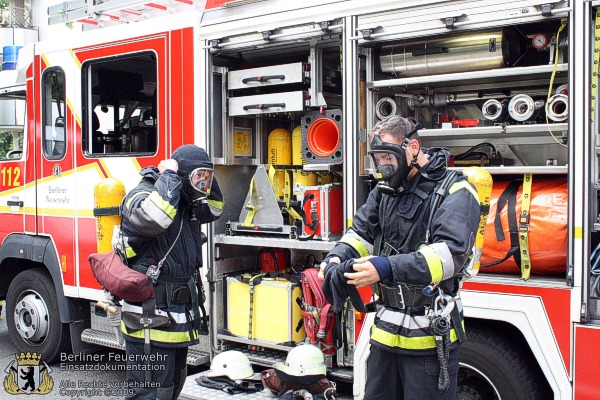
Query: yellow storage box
x=276, y=314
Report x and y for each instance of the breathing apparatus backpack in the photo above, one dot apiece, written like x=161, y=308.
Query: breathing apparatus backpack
x=482, y=180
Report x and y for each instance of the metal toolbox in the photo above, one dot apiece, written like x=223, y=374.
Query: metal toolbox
x=269, y=76
x=323, y=207
x=276, y=315
x=268, y=103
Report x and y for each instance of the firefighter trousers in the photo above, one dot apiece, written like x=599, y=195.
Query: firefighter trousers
x=169, y=370
x=408, y=377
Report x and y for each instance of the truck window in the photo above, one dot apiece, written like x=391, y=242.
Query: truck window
x=120, y=106
x=53, y=113
x=12, y=120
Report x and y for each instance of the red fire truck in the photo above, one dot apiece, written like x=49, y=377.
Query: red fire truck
x=282, y=96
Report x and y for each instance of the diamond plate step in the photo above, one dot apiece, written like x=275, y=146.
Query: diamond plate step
x=100, y=338
x=194, y=358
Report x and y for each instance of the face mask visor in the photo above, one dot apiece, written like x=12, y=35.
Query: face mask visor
x=201, y=180
x=385, y=163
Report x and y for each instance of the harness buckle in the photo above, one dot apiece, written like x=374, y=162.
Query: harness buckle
x=400, y=301
x=153, y=272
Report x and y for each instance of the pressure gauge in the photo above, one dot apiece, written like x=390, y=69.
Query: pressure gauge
x=539, y=41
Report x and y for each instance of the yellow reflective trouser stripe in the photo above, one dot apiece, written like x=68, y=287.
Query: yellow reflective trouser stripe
x=464, y=185
x=433, y=262
x=403, y=342
x=161, y=336
x=163, y=204
x=355, y=244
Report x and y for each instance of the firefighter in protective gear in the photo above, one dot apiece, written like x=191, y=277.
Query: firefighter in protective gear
x=232, y=364
x=163, y=216
x=401, y=249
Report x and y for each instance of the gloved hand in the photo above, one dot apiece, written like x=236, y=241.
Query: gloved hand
x=325, y=264
x=169, y=164
x=336, y=288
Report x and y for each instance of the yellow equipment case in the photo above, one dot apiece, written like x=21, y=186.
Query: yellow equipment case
x=275, y=309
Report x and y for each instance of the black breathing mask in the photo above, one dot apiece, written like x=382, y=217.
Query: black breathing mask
x=390, y=164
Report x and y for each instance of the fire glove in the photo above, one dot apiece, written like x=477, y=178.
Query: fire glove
x=337, y=290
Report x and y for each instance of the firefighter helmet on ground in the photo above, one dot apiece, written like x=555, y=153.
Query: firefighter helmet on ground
x=303, y=364
x=232, y=364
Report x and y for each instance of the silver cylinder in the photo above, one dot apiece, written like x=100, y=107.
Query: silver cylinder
x=495, y=110
x=385, y=107
x=557, y=108
x=462, y=52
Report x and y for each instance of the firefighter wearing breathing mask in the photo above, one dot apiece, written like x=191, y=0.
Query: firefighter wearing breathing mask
x=163, y=215
x=411, y=269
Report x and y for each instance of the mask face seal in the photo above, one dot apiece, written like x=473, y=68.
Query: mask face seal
x=200, y=181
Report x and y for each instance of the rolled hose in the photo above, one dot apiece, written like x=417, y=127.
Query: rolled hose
x=495, y=110
x=385, y=107
x=522, y=107
x=557, y=108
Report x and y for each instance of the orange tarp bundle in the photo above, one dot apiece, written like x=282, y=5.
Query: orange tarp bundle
x=547, y=225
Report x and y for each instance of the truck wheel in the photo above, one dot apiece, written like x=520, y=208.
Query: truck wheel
x=492, y=367
x=32, y=316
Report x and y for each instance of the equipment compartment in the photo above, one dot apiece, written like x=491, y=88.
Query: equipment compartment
x=497, y=97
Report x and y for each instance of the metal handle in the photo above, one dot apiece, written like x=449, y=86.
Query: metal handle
x=263, y=78
x=13, y=203
x=431, y=50
x=263, y=106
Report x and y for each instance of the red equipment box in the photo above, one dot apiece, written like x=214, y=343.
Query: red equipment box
x=323, y=209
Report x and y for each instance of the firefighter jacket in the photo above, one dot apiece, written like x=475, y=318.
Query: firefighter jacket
x=401, y=222
x=153, y=214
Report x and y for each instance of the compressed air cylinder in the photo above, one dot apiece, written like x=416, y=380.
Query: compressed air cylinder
x=302, y=179
x=279, y=146
x=482, y=180
x=297, y=146
x=108, y=194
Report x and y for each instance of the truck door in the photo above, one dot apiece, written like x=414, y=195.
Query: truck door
x=56, y=192
x=13, y=154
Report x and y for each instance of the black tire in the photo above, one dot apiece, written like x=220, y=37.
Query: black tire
x=493, y=368
x=32, y=316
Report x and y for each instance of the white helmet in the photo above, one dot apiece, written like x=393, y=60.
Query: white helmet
x=303, y=360
x=232, y=364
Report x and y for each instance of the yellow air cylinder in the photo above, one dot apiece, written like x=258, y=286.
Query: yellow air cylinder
x=108, y=194
x=297, y=146
x=279, y=146
x=302, y=179
x=483, y=182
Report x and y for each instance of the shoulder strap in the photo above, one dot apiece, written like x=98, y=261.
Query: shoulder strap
x=508, y=196
x=440, y=194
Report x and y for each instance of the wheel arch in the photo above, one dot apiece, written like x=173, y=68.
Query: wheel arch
x=524, y=319
x=20, y=252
